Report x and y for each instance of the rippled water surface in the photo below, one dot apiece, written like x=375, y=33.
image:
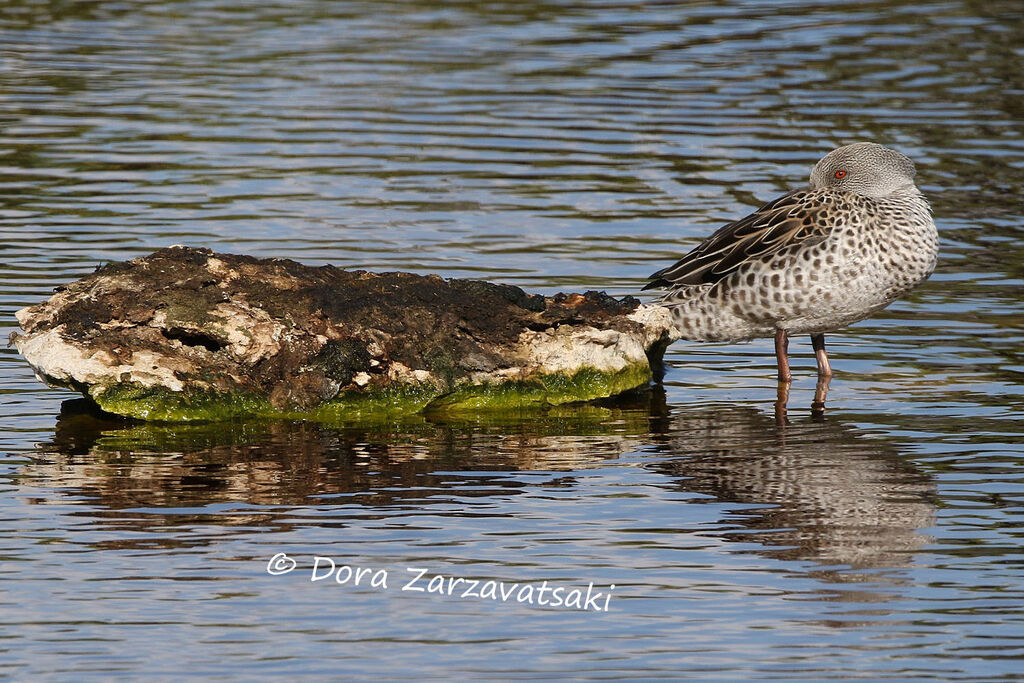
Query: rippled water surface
x=555, y=146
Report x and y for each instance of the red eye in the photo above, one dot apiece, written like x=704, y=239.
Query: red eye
x=840, y=174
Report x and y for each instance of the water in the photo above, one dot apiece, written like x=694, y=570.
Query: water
x=555, y=146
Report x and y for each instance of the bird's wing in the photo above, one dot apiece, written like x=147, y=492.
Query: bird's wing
x=790, y=219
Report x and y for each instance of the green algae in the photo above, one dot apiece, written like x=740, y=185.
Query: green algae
x=542, y=390
x=163, y=405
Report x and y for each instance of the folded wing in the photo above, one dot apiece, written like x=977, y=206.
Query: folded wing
x=790, y=219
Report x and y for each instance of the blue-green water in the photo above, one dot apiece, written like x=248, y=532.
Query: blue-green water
x=555, y=146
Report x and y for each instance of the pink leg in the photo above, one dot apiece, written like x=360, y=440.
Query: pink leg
x=818, y=342
x=782, y=355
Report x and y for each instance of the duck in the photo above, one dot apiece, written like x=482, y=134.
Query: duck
x=856, y=238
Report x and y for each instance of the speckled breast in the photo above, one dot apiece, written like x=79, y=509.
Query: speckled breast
x=885, y=249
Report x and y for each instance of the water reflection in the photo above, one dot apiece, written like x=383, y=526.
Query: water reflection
x=826, y=492
x=817, y=405
x=127, y=464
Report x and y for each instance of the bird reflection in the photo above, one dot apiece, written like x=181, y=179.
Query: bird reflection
x=817, y=404
x=823, y=491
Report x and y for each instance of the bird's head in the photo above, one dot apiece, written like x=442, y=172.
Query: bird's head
x=864, y=168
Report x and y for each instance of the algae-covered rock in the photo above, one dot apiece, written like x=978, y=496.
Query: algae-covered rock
x=189, y=334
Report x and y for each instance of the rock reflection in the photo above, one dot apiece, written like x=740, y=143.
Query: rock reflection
x=831, y=493
x=124, y=464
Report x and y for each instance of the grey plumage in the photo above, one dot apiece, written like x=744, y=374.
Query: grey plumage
x=816, y=259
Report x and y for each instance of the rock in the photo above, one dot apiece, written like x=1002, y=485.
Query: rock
x=189, y=334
